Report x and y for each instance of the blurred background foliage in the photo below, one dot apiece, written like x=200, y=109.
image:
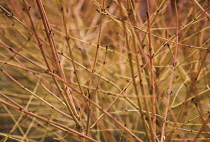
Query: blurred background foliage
x=93, y=32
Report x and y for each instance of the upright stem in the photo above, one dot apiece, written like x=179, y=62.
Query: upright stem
x=130, y=57
x=169, y=93
x=94, y=65
x=152, y=84
x=68, y=98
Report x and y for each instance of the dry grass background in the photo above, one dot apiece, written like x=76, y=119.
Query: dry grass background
x=104, y=70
